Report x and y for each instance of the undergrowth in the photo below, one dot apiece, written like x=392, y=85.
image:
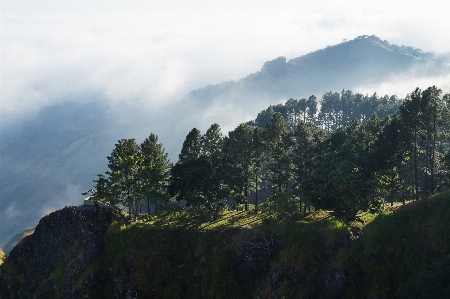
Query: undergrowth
x=2, y=256
x=187, y=254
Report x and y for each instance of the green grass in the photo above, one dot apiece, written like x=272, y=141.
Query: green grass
x=387, y=250
x=2, y=257
x=187, y=254
x=59, y=276
x=396, y=247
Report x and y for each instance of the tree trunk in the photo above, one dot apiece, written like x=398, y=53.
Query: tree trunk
x=433, y=152
x=256, y=194
x=427, y=151
x=416, y=181
x=246, y=195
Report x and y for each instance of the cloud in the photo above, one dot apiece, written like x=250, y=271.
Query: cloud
x=71, y=196
x=151, y=53
x=12, y=211
x=403, y=84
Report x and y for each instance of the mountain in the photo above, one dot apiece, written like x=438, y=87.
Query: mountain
x=52, y=159
x=88, y=252
x=16, y=239
x=363, y=60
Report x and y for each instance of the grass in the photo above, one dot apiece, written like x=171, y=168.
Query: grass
x=186, y=247
x=2, y=257
x=388, y=249
x=58, y=275
x=187, y=254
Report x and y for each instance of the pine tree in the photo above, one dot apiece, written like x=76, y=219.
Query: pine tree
x=154, y=172
x=124, y=164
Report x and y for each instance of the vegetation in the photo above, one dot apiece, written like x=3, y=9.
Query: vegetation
x=66, y=144
x=341, y=157
x=400, y=252
x=351, y=211
x=137, y=175
x=2, y=256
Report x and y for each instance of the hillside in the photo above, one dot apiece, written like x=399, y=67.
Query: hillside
x=395, y=254
x=56, y=156
x=50, y=160
x=16, y=239
x=363, y=60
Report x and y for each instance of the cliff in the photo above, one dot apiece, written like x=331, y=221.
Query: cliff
x=50, y=262
x=87, y=252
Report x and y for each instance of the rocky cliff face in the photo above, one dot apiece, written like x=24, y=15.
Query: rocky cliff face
x=80, y=252
x=71, y=255
x=52, y=262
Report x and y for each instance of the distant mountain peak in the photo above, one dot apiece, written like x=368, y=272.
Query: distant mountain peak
x=366, y=59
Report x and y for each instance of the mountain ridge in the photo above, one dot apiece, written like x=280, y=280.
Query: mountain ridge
x=87, y=252
x=364, y=51
x=55, y=157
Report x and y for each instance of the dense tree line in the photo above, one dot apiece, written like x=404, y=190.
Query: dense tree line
x=342, y=157
x=137, y=175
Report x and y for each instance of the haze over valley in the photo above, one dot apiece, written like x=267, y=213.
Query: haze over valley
x=76, y=78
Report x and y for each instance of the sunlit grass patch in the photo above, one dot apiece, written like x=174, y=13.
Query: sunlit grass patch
x=2, y=256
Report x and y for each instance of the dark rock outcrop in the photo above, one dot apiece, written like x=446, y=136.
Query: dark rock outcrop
x=256, y=257
x=50, y=262
x=335, y=283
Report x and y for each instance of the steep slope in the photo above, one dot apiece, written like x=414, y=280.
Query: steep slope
x=55, y=157
x=16, y=239
x=51, y=161
x=396, y=254
x=365, y=59
x=59, y=252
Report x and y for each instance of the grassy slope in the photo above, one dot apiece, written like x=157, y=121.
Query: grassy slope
x=395, y=254
x=2, y=255
x=391, y=249
x=171, y=258
x=395, y=248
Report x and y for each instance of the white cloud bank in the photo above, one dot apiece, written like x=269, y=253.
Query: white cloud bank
x=151, y=53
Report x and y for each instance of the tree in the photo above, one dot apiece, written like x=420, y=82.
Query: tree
x=198, y=176
x=185, y=176
x=258, y=156
x=277, y=147
x=154, y=172
x=311, y=104
x=192, y=146
x=432, y=109
x=412, y=123
x=306, y=151
x=122, y=186
x=341, y=182
x=215, y=190
x=388, y=150
x=239, y=155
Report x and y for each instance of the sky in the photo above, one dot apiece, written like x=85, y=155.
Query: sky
x=151, y=53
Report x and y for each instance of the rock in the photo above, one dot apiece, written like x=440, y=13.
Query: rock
x=63, y=246
x=256, y=257
x=335, y=283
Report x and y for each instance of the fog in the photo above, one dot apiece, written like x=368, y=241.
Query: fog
x=150, y=54
x=142, y=58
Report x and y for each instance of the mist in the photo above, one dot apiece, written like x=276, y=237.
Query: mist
x=147, y=55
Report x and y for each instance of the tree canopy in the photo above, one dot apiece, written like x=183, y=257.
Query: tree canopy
x=352, y=154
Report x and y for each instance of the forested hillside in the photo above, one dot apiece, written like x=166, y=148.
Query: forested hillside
x=56, y=156
x=351, y=211
x=343, y=158
x=353, y=63
x=83, y=252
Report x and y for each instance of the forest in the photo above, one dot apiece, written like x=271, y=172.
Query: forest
x=344, y=152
